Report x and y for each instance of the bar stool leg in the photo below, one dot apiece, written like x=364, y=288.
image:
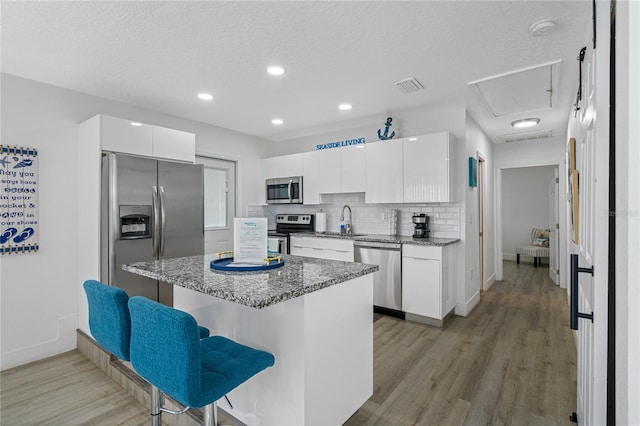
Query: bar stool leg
x=211, y=414
x=156, y=404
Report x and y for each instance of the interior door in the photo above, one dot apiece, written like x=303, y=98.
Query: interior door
x=554, y=270
x=219, y=203
x=591, y=240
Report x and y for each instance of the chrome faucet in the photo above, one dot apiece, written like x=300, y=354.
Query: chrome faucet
x=347, y=226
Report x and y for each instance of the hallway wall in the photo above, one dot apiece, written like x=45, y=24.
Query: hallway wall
x=525, y=205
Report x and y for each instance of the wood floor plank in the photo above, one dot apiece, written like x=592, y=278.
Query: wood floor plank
x=512, y=361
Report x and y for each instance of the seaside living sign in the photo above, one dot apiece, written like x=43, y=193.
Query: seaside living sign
x=18, y=200
x=340, y=144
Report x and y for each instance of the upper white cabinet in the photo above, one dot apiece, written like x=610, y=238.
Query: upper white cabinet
x=384, y=176
x=283, y=166
x=333, y=171
x=428, y=172
x=120, y=135
x=173, y=144
x=353, y=169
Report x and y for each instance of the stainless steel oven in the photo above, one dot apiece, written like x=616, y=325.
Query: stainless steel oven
x=284, y=190
x=287, y=224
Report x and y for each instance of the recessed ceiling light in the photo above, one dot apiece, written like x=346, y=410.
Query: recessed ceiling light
x=345, y=107
x=135, y=123
x=413, y=139
x=277, y=121
x=275, y=70
x=525, y=122
x=205, y=96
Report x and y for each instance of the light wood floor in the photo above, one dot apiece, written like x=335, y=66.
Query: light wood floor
x=511, y=362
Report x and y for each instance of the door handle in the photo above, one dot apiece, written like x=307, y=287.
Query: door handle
x=156, y=221
x=574, y=314
x=163, y=220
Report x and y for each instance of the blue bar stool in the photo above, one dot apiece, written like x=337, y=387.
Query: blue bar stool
x=109, y=318
x=166, y=351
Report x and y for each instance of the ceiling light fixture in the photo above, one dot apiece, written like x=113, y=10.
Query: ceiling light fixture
x=345, y=107
x=275, y=70
x=205, y=96
x=413, y=139
x=277, y=121
x=525, y=122
x=136, y=124
x=542, y=28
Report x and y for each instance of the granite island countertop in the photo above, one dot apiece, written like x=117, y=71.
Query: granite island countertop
x=438, y=242
x=259, y=289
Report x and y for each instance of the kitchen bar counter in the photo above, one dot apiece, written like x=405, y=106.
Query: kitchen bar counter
x=315, y=316
x=438, y=242
x=259, y=289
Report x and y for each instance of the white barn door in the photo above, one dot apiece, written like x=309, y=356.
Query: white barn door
x=591, y=132
x=554, y=271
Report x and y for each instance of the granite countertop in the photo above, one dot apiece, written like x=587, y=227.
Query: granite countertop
x=439, y=242
x=259, y=289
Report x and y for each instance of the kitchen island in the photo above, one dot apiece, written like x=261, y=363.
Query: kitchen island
x=313, y=315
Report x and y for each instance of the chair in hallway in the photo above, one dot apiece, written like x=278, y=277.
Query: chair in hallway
x=109, y=318
x=166, y=351
x=538, y=246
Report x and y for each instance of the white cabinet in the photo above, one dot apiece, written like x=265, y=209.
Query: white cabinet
x=384, y=179
x=126, y=136
x=427, y=282
x=129, y=137
x=322, y=248
x=353, y=169
x=333, y=171
x=173, y=144
x=428, y=168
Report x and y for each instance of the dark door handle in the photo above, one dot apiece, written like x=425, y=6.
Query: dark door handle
x=574, y=314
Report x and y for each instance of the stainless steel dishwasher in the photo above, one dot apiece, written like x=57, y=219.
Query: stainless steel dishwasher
x=387, y=282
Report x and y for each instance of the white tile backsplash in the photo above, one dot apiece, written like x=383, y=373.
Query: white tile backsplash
x=385, y=219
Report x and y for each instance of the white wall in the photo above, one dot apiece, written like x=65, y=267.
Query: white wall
x=525, y=205
x=477, y=143
x=39, y=294
x=547, y=152
x=405, y=123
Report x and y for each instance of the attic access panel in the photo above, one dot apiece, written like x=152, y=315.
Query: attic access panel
x=519, y=91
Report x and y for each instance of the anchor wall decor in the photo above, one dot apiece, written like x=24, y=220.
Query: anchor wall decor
x=385, y=136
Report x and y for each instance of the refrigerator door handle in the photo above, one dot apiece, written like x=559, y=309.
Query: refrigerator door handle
x=163, y=221
x=155, y=235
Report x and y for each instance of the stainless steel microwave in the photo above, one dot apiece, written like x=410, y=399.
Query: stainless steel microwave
x=284, y=190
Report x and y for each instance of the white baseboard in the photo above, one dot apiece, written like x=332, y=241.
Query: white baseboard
x=490, y=282
x=65, y=340
x=464, y=308
x=509, y=256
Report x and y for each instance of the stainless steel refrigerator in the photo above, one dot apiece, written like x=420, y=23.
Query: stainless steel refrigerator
x=151, y=209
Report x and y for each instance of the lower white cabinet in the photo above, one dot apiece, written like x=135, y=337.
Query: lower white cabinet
x=322, y=248
x=427, y=281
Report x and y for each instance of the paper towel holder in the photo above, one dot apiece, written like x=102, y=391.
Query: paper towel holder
x=321, y=222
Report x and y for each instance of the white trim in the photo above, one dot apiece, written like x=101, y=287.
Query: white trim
x=464, y=308
x=491, y=281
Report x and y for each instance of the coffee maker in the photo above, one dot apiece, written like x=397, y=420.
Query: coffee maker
x=421, y=222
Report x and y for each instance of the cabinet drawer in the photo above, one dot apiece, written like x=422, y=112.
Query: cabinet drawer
x=323, y=243
x=422, y=252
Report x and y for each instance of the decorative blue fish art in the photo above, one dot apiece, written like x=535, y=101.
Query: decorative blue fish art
x=385, y=136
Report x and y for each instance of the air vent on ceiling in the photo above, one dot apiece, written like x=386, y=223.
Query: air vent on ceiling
x=409, y=85
x=526, y=136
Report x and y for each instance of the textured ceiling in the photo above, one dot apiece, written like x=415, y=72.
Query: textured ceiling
x=159, y=55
